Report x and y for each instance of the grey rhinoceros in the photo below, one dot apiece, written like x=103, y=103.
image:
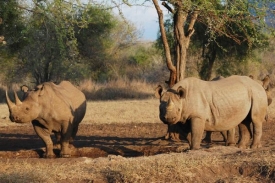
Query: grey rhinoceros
x=51, y=108
x=216, y=106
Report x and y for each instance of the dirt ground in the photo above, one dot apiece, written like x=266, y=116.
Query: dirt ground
x=101, y=140
x=19, y=142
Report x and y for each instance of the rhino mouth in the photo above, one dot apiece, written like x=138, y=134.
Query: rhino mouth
x=168, y=120
x=16, y=120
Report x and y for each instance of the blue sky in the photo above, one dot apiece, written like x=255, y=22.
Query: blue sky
x=145, y=18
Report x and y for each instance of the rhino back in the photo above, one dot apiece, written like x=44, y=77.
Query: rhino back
x=65, y=101
x=77, y=98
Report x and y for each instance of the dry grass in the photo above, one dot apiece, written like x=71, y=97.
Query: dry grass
x=120, y=89
x=122, y=111
x=194, y=166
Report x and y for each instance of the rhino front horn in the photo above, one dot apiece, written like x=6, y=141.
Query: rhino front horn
x=9, y=102
x=170, y=105
x=17, y=100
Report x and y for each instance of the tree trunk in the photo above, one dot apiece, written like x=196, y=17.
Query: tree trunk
x=181, y=18
x=208, y=62
x=170, y=65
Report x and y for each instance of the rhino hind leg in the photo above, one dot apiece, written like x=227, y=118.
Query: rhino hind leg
x=58, y=140
x=44, y=134
x=244, y=133
x=66, y=138
x=257, y=133
x=229, y=137
x=207, y=138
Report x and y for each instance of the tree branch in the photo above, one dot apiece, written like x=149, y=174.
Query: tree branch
x=169, y=63
x=168, y=7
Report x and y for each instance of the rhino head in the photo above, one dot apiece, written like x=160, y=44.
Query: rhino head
x=171, y=106
x=26, y=111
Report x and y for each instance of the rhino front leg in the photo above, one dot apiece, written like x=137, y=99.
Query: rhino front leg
x=197, y=129
x=67, y=131
x=44, y=134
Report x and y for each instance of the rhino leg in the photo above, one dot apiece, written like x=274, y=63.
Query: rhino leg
x=44, y=134
x=173, y=133
x=58, y=140
x=207, y=138
x=75, y=129
x=257, y=134
x=244, y=133
x=67, y=131
x=229, y=137
x=197, y=129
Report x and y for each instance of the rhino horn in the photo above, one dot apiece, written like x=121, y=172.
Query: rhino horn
x=17, y=100
x=170, y=105
x=9, y=102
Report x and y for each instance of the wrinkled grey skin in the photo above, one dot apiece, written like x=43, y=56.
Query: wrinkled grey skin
x=180, y=131
x=216, y=106
x=51, y=108
x=227, y=135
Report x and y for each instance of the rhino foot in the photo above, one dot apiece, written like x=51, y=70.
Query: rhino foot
x=57, y=146
x=230, y=144
x=241, y=146
x=255, y=146
x=49, y=156
x=65, y=155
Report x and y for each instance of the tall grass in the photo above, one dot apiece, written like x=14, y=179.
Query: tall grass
x=118, y=89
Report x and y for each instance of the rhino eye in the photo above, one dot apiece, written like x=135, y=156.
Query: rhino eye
x=27, y=109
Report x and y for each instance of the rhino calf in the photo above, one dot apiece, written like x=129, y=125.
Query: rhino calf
x=51, y=108
x=216, y=106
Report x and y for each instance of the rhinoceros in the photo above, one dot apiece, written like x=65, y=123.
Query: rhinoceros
x=231, y=134
x=51, y=108
x=216, y=106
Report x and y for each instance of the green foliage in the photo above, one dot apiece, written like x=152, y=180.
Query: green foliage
x=141, y=57
x=226, y=31
x=12, y=29
x=62, y=39
x=11, y=26
x=94, y=39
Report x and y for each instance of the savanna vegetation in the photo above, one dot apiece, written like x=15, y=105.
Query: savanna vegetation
x=86, y=42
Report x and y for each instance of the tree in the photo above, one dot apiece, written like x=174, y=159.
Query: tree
x=238, y=21
x=12, y=38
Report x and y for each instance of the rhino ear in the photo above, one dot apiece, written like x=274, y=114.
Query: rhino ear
x=158, y=91
x=266, y=82
x=41, y=89
x=24, y=88
x=182, y=92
